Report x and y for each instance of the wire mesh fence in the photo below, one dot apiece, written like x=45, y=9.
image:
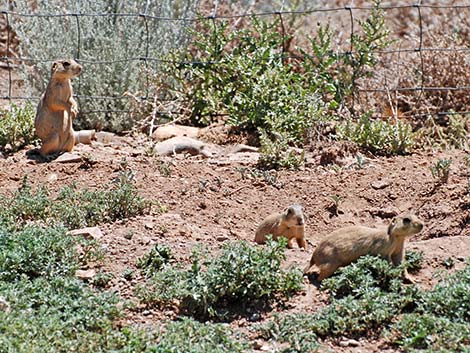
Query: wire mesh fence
x=412, y=66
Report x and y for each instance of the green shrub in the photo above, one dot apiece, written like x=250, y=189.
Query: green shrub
x=71, y=207
x=36, y=252
x=450, y=298
x=241, y=275
x=297, y=330
x=189, y=336
x=414, y=260
x=154, y=261
x=430, y=332
x=441, y=320
x=365, y=273
x=243, y=75
x=112, y=48
x=440, y=170
x=62, y=315
x=17, y=126
x=377, y=136
x=276, y=153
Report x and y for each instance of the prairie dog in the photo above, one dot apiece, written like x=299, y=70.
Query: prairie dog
x=289, y=224
x=346, y=245
x=57, y=108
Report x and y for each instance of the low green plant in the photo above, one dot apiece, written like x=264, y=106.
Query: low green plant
x=414, y=260
x=276, y=153
x=71, y=207
x=17, y=126
x=190, y=336
x=102, y=279
x=429, y=332
x=441, y=319
x=36, y=252
x=367, y=272
x=441, y=170
x=242, y=275
x=155, y=259
x=60, y=314
x=377, y=136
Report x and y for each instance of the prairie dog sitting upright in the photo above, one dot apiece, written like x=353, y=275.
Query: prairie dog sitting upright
x=289, y=224
x=346, y=245
x=57, y=108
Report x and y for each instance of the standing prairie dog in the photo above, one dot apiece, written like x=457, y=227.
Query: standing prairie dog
x=57, y=108
x=289, y=224
x=346, y=245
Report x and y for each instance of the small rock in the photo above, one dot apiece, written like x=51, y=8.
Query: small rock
x=380, y=184
x=88, y=233
x=68, y=158
x=174, y=130
x=104, y=137
x=146, y=312
x=148, y=225
x=52, y=178
x=85, y=274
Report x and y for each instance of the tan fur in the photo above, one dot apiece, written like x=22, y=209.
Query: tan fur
x=346, y=245
x=57, y=108
x=289, y=224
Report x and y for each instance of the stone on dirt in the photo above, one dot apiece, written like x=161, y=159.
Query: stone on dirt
x=88, y=232
x=166, y=132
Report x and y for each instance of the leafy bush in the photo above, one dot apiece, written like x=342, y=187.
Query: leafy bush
x=377, y=136
x=297, y=330
x=71, y=207
x=427, y=331
x=189, y=336
x=241, y=274
x=243, y=74
x=62, y=315
x=154, y=261
x=113, y=49
x=450, y=298
x=414, y=260
x=365, y=273
x=440, y=170
x=35, y=252
x=365, y=297
x=276, y=153
x=17, y=126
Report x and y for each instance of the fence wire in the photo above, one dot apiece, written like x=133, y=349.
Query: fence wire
x=12, y=61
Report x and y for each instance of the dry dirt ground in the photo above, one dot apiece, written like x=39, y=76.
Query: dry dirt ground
x=210, y=201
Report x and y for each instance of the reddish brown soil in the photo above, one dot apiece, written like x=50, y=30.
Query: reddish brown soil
x=210, y=201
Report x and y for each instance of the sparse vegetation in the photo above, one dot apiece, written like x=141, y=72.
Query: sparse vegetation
x=16, y=127
x=242, y=275
x=153, y=261
x=379, y=137
x=72, y=208
x=367, y=297
x=441, y=170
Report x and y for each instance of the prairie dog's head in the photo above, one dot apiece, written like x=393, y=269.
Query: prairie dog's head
x=406, y=225
x=65, y=69
x=294, y=216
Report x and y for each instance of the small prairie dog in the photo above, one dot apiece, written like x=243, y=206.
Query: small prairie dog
x=289, y=224
x=346, y=245
x=57, y=108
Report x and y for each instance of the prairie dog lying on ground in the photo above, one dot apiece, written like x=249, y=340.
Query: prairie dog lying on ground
x=289, y=224
x=346, y=245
